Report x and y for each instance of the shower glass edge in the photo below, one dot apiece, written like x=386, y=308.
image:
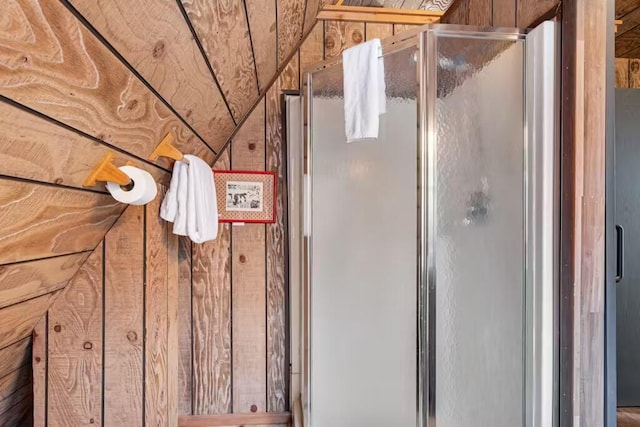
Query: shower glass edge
x=427, y=43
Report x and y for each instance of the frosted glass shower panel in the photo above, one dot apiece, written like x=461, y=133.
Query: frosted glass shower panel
x=479, y=213
x=363, y=285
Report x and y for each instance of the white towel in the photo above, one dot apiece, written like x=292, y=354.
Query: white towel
x=364, y=90
x=190, y=202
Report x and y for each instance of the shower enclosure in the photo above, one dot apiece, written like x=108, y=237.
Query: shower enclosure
x=429, y=275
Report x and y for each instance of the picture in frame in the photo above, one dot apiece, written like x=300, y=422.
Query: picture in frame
x=246, y=196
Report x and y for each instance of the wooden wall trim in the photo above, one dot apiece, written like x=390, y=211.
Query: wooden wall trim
x=378, y=15
x=230, y=420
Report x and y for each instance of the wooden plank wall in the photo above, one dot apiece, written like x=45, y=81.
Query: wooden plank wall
x=106, y=352
x=79, y=78
x=500, y=13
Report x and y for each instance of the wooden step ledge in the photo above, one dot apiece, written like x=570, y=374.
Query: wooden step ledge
x=261, y=418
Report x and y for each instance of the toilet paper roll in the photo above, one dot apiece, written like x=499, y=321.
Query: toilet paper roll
x=144, y=187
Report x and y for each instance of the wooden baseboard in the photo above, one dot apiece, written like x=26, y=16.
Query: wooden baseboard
x=262, y=418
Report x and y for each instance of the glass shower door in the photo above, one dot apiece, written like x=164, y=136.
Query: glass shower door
x=363, y=240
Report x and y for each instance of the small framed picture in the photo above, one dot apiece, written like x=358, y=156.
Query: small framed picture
x=246, y=196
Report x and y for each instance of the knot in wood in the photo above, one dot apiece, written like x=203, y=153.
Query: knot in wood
x=132, y=336
x=87, y=345
x=243, y=259
x=357, y=36
x=254, y=408
x=158, y=49
x=57, y=328
x=252, y=146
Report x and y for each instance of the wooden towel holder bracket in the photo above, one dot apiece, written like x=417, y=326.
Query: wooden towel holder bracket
x=165, y=149
x=106, y=171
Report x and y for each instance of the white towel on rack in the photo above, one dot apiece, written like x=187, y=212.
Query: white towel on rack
x=202, y=206
x=364, y=90
x=190, y=202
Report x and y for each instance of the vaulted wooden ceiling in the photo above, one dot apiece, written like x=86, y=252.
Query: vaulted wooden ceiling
x=628, y=35
x=440, y=5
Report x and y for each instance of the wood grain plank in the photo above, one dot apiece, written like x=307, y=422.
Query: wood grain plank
x=312, y=49
x=504, y=13
x=185, y=399
x=262, y=23
x=57, y=67
x=14, y=388
x=378, y=31
x=622, y=73
x=628, y=417
x=235, y=420
x=277, y=357
x=40, y=350
x=36, y=149
x=75, y=348
x=290, y=23
x=224, y=32
x=634, y=73
x=624, y=7
x=18, y=320
x=156, y=314
x=212, y=320
x=124, y=311
x=173, y=327
x=40, y=221
x=26, y=280
x=627, y=43
x=629, y=21
x=18, y=415
x=530, y=11
x=339, y=36
x=458, y=13
x=481, y=12
x=310, y=13
x=14, y=356
x=154, y=38
x=248, y=265
x=13, y=381
x=400, y=28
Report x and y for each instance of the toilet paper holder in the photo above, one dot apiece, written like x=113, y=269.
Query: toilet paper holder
x=165, y=149
x=106, y=171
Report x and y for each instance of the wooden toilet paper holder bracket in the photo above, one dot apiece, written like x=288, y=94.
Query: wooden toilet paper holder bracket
x=106, y=171
x=165, y=149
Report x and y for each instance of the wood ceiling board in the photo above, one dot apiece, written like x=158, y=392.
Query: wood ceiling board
x=36, y=149
x=26, y=280
x=17, y=321
x=311, y=11
x=14, y=356
x=75, y=348
x=38, y=221
x=629, y=22
x=627, y=42
x=290, y=23
x=223, y=30
x=153, y=36
x=625, y=6
x=262, y=23
x=69, y=75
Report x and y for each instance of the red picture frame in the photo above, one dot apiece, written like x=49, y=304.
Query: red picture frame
x=246, y=196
